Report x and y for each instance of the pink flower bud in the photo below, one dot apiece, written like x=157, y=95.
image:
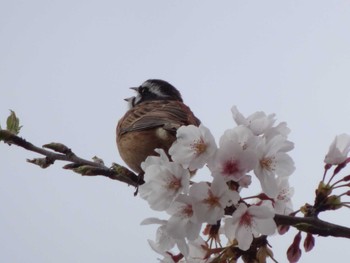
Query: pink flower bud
x=282, y=229
x=294, y=251
x=309, y=242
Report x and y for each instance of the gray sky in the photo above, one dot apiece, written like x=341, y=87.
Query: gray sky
x=65, y=67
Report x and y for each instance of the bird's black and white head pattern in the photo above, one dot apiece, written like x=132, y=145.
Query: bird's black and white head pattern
x=155, y=89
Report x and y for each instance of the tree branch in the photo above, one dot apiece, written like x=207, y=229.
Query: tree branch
x=313, y=225
x=60, y=152
x=77, y=164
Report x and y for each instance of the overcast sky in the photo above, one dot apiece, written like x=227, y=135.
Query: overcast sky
x=65, y=67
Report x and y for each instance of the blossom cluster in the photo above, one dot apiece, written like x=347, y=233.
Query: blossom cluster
x=255, y=148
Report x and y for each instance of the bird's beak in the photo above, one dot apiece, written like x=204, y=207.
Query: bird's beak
x=134, y=88
x=129, y=99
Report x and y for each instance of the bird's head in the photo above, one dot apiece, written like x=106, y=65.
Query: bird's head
x=154, y=89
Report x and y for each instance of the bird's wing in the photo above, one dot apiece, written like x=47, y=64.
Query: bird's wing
x=167, y=114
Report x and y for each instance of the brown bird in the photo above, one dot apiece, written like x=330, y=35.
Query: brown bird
x=154, y=115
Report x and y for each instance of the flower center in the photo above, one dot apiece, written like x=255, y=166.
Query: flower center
x=187, y=211
x=267, y=164
x=174, y=184
x=246, y=219
x=212, y=200
x=199, y=146
x=230, y=167
x=283, y=195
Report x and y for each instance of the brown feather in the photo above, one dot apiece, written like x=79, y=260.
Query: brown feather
x=150, y=125
x=148, y=115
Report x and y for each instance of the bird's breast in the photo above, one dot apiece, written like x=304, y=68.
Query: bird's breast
x=135, y=147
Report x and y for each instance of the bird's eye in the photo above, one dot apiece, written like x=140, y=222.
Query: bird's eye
x=143, y=90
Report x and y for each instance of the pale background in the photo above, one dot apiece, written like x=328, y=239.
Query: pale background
x=65, y=67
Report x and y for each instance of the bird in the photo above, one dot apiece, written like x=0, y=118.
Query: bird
x=151, y=122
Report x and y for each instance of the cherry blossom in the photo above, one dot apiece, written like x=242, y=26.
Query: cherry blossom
x=338, y=150
x=198, y=251
x=183, y=222
x=279, y=129
x=194, y=146
x=164, y=242
x=210, y=201
x=162, y=159
x=283, y=201
x=241, y=135
x=248, y=222
x=232, y=162
x=272, y=162
x=258, y=122
x=164, y=181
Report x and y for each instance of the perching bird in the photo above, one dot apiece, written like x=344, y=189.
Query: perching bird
x=154, y=115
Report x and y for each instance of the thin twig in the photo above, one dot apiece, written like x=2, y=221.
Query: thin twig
x=77, y=164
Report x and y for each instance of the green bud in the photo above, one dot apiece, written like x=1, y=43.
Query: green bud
x=333, y=203
x=13, y=123
x=85, y=170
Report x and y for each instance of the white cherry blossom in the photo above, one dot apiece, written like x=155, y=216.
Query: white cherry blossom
x=164, y=242
x=164, y=181
x=194, y=146
x=210, y=201
x=338, y=150
x=183, y=222
x=258, y=122
x=198, y=251
x=283, y=201
x=248, y=222
x=241, y=135
x=232, y=162
x=272, y=162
